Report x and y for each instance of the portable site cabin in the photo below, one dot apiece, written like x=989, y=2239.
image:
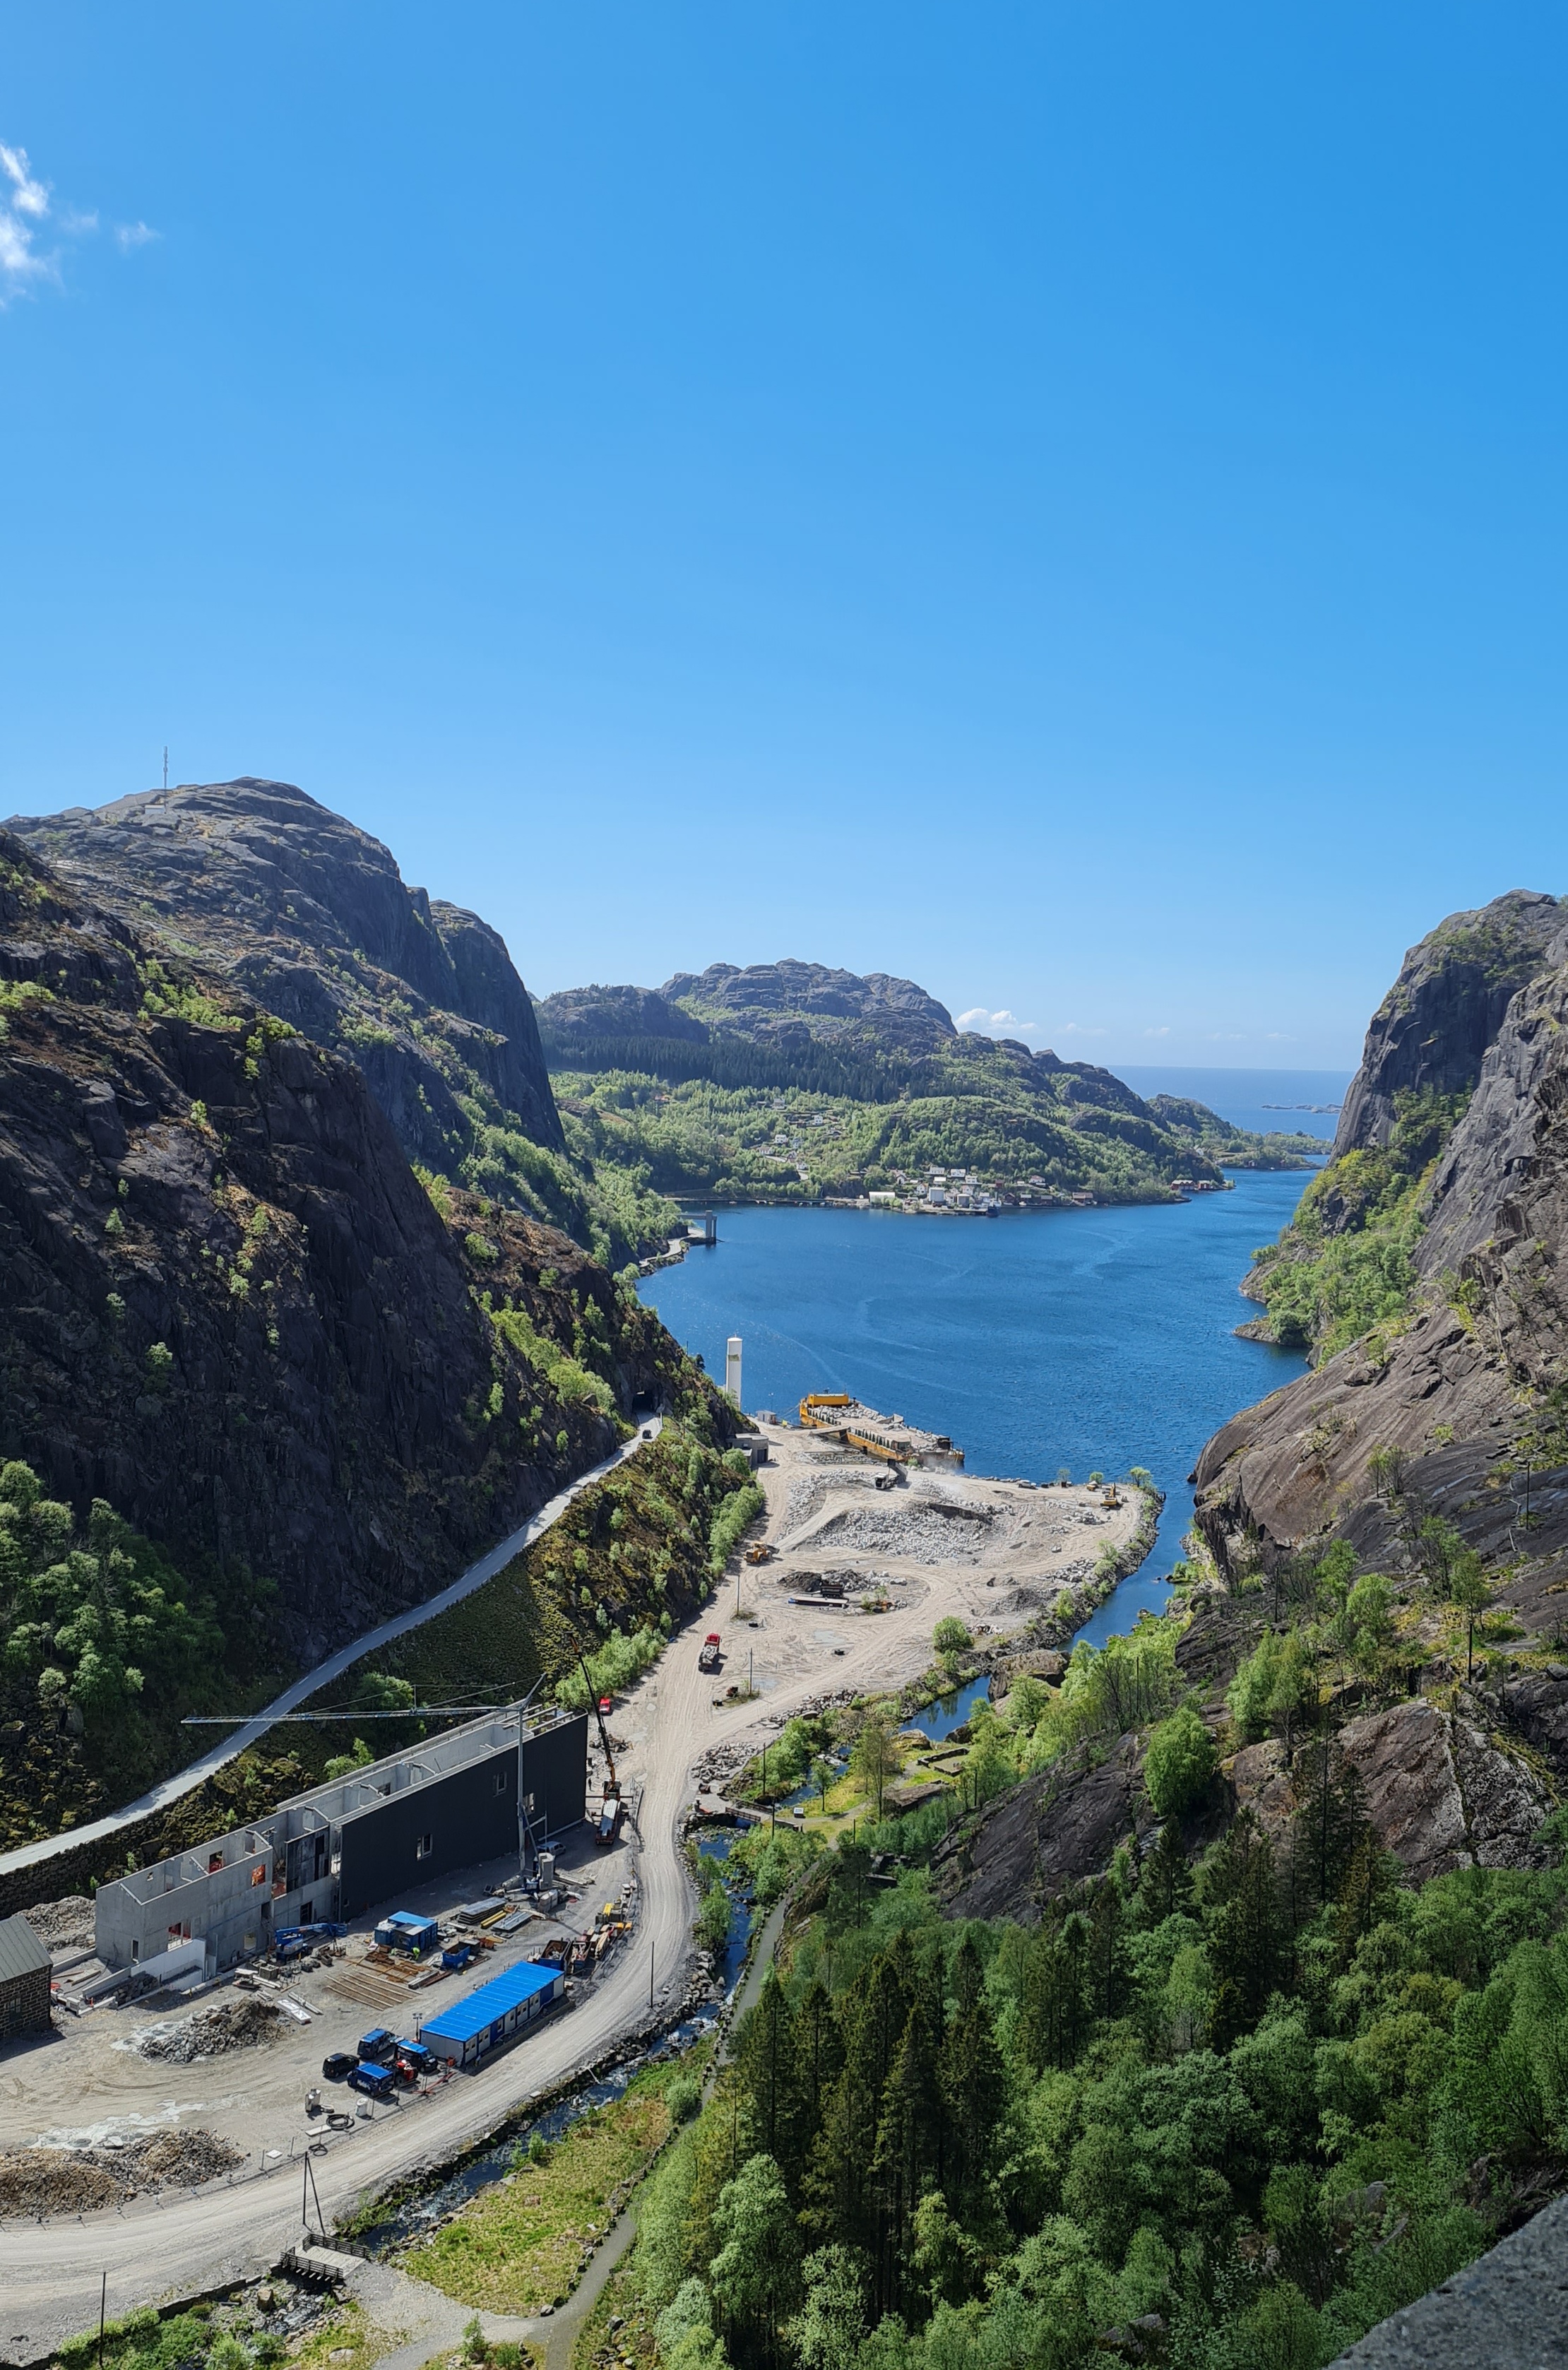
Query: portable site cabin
x=405, y=1930
x=466, y=2031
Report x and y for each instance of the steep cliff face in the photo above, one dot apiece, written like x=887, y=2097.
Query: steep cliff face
x=1469, y=1387
x=310, y=916
x=228, y=1307
x=1431, y=1030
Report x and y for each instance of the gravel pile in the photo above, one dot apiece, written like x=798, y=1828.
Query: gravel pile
x=918, y=1532
x=231, y=2024
x=63, y=1924
x=45, y=2181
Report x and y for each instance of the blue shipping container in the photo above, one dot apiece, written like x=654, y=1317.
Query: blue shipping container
x=463, y=2032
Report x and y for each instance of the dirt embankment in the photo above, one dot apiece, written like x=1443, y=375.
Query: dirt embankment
x=43, y=2181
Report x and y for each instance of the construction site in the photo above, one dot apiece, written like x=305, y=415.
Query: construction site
x=461, y=1981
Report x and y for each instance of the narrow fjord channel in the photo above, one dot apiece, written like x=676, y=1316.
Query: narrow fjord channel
x=1087, y=1339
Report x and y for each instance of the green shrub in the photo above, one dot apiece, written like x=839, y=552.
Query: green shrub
x=1182, y=1761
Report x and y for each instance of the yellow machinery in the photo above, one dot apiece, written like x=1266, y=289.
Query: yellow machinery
x=810, y=1419
x=875, y=1447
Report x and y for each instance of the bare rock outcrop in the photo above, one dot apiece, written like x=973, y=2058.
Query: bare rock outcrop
x=1053, y=1829
x=1441, y=1792
x=309, y=916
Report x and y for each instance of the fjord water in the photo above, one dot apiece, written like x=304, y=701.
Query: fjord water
x=1079, y=1338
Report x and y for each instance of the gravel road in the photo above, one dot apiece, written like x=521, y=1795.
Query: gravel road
x=49, y=2271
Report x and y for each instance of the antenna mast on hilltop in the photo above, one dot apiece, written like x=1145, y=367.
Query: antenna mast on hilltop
x=165, y=765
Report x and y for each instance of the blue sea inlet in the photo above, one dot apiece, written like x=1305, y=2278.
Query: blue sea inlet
x=1039, y=1339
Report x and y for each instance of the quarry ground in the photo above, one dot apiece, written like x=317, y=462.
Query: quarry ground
x=995, y=1553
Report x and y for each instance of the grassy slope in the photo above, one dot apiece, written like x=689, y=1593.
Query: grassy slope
x=520, y=2243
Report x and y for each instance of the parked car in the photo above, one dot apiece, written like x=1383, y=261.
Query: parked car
x=376, y=2048
x=413, y=2060
x=373, y=2080
x=338, y=2066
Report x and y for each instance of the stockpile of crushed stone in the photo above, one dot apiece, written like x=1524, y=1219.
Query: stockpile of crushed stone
x=229, y=2024
x=72, y=2181
x=923, y=1531
x=63, y=1924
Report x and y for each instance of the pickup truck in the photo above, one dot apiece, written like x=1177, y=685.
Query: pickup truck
x=707, y=1660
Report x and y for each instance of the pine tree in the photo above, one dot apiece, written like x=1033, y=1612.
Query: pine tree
x=1055, y=2023
x=974, y=2088
x=1166, y=1885
x=909, y=2140
x=821, y=2047
x=873, y=2019
x=768, y=2062
x=1107, y=1949
x=1240, y=1891
x=1330, y=1822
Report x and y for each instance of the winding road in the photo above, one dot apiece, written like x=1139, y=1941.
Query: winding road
x=201, y=2241
x=186, y=1780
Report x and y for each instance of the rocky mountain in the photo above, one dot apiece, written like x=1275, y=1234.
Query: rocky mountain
x=1457, y=1369
x=834, y=1005
x=229, y=1307
x=310, y=917
x=727, y=1062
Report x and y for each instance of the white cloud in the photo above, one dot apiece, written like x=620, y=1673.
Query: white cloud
x=32, y=196
x=1157, y=1032
x=1077, y=1029
x=24, y=205
x=997, y=1024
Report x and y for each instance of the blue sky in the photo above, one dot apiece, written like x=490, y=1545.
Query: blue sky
x=1064, y=502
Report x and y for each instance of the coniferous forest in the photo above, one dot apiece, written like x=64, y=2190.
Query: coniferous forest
x=1230, y=2109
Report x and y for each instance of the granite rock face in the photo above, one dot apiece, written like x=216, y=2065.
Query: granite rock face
x=1440, y=1792
x=309, y=916
x=1048, y=1832
x=228, y=1306
x=1435, y=1026
x=1460, y=1391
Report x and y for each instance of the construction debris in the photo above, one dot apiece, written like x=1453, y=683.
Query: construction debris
x=65, y=1924
x=42, y=2181
x=230, y=2024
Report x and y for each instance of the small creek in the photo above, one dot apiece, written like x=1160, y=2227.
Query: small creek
x=415, y=2217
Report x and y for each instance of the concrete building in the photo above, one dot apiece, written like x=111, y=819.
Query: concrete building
x=493, y=1786
x=25, y=1968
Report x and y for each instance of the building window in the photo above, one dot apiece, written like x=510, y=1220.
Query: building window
x=424, y=1847
x=258, y=1875
x=502, y=1777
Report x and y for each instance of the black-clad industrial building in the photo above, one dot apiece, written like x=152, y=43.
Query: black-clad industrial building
x=495, y=1786
x=464, y=1815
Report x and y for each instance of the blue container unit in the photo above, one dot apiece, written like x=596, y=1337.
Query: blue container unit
x=466, y=2031
x=405, y=1931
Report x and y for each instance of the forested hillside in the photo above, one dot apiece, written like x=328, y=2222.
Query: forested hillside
x=1216, y=2005
x=788, y=1081
x=262, y=1384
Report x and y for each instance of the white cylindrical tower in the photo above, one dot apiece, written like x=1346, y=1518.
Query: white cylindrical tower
x=732, y=1367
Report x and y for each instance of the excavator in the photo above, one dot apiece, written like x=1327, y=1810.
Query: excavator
x=610, y=1804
